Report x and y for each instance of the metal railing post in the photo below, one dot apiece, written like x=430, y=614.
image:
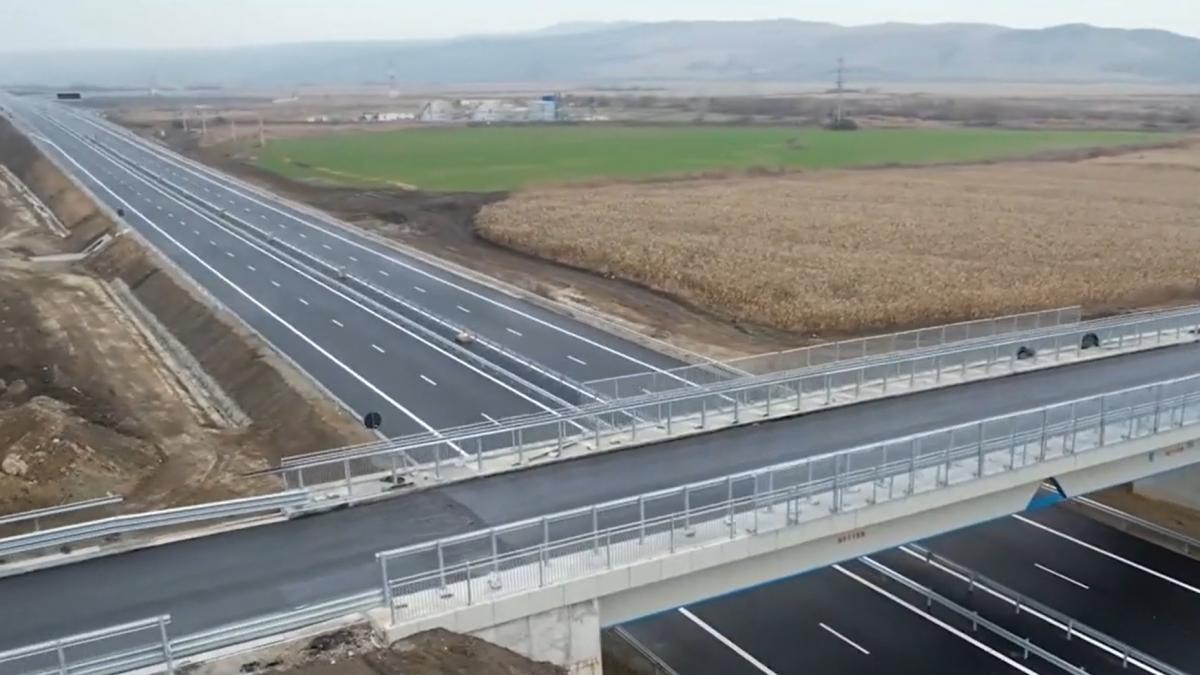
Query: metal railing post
x=979, y=474
x=62, y=659
x=731, y=517
x=1103, y=410
x=470, y=598
x=346, y=470
x=1157, y=405
x=387, y=588
x=641, y=519
x=670, y=407
x=912, y=467
x=441, y=568
x=687, y=509
x=595, y=529
x=828, y=389
x=1042, y=436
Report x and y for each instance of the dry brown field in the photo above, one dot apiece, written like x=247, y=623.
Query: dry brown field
x=854, y=251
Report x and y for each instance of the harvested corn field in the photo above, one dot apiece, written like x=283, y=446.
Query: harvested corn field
x=855, y=251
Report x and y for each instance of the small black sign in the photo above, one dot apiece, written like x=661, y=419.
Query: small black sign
x=372, y=420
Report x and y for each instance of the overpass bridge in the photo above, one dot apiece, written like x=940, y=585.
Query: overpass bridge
x=554, y=580
x=221, y=589
x=614, y=536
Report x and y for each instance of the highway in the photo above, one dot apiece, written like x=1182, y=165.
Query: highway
x=577, y=350
x=365, y=358
x=822, y=621
x=223, y=578
x=850, y=619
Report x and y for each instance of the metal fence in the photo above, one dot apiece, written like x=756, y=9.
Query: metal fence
x=636, y=384
x=479, y=566
x=107, y=528
x=363, y=469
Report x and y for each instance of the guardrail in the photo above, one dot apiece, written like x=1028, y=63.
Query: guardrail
x=1187, y=545
x=116, y=526
x=1025, y=644
x=479, y=566
x=76, y=654
x=37, y=515
x=630, y=654
x=110, y=650
x=634, y=384
x=1022, y=602
x=478, y=449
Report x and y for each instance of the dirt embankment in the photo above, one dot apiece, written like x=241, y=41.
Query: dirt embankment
x=95, y=395
x=354, y=651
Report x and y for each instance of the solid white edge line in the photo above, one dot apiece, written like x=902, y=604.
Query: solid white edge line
x=934, y=620
x=843, y=638
x=726, y=641
x=1114, y=556
x=320, y=283
x=1062, y=576
x=208, y=172
x=1030, y=611
x=309, y=341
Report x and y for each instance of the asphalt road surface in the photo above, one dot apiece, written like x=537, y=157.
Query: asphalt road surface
x=837, y=620
x=850, y=619
x=224, y=578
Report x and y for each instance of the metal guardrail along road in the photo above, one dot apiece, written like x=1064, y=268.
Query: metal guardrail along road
x=1020, y=602
x=51, y=511
x=121, y=525
x=472, y=450
x=635, y=384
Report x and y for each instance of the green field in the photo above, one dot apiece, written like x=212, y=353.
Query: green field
x=506, y=158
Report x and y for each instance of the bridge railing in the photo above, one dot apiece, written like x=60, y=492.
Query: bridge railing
x=635, y=384
x=480, y=449
x=479, y=566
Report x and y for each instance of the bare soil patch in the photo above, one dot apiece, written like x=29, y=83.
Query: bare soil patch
x=91, y=403
x=354, y=651
x=852, y=251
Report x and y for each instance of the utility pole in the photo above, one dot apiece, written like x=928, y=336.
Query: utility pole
x=262, y=138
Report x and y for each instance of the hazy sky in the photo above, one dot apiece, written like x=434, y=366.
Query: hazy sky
x=58, y=24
